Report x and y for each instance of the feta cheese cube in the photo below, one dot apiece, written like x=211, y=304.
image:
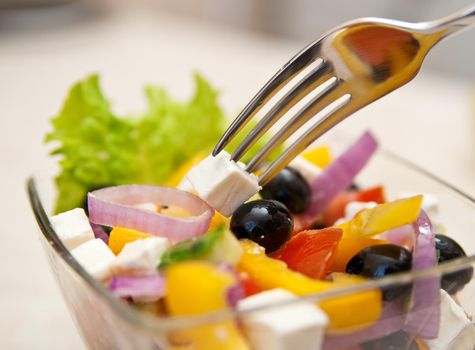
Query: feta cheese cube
x=464, y=340
x=307, y=169
x=223, y=183
x=95, y=257
x=72, y=227
x=140, y=257
x=297, y=326
x=465, y=298
x=456, y=332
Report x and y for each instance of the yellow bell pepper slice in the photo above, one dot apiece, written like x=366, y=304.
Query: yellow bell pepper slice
x=175, y=179
x=195, y=288
x=370, y=222
x=218, y=220
x=270, y=273
x=320, y=156
x=120, y=236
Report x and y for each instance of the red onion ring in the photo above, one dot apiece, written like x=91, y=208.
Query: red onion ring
x=114, y=206
x=236, y=292
x=422, y=319
x=402, y=236
x=151, y=287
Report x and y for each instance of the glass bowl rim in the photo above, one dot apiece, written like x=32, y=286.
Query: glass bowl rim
x=170, y=323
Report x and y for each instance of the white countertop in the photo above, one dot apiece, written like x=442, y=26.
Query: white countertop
x=431, y=121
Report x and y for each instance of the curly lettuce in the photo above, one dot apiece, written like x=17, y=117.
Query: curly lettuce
x=98, y=148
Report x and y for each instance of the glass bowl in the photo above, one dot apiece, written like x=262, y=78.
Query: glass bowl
x=108, y=323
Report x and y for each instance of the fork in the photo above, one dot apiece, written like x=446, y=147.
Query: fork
x=349, y=67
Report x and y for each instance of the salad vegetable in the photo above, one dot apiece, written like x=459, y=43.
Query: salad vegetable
x=218, y=245
x=384, y=217
x=320, y=156
x=98, y=148
x=169, y=225
x=336, y=208
x=422, y=320
x=340, y=173
x=311, y=252
x=120, y=236
x=146, y=288
x=114, y=206
x=271, y=273
x=210, y=288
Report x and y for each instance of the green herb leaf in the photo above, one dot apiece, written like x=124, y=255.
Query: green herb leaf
x=192, y=249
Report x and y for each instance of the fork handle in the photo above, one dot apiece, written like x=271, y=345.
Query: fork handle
x=452, y=24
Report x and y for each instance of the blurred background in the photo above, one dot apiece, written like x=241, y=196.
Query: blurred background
x=298, y=20
x=45, y=46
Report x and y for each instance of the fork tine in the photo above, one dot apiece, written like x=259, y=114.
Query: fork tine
x=339, y=111
x=331, y=93
x=309, y=82
x=274, y=85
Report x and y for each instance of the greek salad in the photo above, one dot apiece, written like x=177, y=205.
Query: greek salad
x=174, y=231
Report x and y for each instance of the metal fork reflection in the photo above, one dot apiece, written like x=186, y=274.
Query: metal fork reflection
x=355, y=64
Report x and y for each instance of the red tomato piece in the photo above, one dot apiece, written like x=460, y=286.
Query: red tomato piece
x=336, y=209
x=250, y=286
x=311, y=252
x=303, y=222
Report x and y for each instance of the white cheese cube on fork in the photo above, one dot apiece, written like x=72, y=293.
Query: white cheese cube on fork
x=456, y=331
x=222, y=183
x=72, y=227
x=185, y=185
x=289, y=327
x=140, y=257
x=95, y=257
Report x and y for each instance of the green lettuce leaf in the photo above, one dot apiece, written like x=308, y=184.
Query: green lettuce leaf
x=93, y=143
x=98, y=148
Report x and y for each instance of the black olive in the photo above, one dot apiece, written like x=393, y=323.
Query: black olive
x=290, y=188
x=448, y=249
x=382, y=260
x=266, y=222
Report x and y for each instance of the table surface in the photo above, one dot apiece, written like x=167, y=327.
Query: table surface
x=431, y=122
